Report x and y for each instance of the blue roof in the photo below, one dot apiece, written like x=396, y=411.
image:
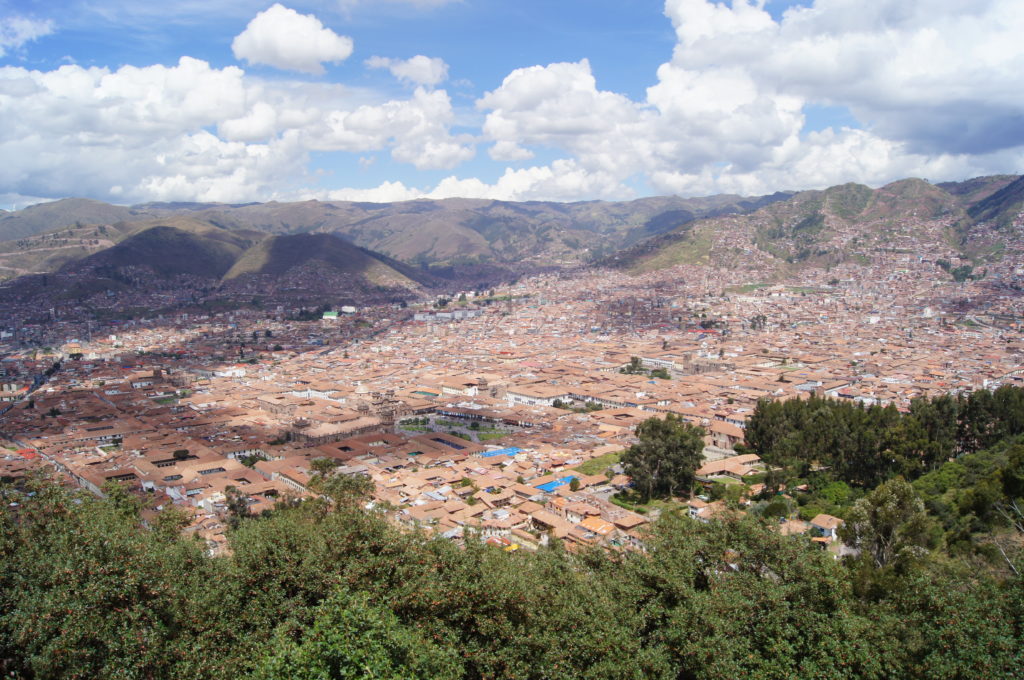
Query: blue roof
x=511, y=451
x=551, y=486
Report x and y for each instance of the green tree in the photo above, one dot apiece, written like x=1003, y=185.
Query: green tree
x=662, y=463
x=634, y=367
x=237, y=505
x=962, y=273
x=353, y=638
x=87, y=592
x=728, y=579
x=323, y=466
x=777, y=508
x=1013, y=473
x=347, y=490
x=890, y=525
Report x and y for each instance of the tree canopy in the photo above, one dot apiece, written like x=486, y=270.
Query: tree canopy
x=664, y=459
x=97, y=587
x=331, y=591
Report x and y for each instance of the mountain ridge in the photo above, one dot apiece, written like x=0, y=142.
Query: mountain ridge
x=459, y=240
x=447, y=232
x=838, y=224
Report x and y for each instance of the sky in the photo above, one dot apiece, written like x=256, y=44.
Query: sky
x=383, y=100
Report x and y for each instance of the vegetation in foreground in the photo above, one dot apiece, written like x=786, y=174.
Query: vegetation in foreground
x=318, y=591
x=95, y=588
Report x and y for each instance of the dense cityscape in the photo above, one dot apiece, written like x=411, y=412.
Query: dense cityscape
x=467, y=340
x=477, y=414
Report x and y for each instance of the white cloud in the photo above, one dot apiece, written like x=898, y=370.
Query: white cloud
x=87, y=131
x=202, y=167
x=562, y=180
x=15, y=31
x=560, y=106
x=419, y=70
x=943, y=76
x=823, y=159
x=938, y=88
x=506, y=150
x=417, y=130
x=387, y=192
x=145, y=133
x=259, y=123
x=283, y=38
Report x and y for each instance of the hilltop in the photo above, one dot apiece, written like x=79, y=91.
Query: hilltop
x=328, y=258
x=845, y=224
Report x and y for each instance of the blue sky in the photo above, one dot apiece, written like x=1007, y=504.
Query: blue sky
x=230, y=100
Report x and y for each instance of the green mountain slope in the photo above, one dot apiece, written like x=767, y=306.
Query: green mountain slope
x=167, y=251
x=1001, y=207
x=277, y=256
x=844, y=223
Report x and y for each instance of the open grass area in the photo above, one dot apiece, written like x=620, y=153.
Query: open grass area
x=596, y=466
x=488, y=436
x=630, y=500
x=695, y=248
x=746, y=288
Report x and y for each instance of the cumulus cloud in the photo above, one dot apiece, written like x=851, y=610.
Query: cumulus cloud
x=419, y=70
x=417, y=130
x=937, y=87
x=562, y=180
x=15, y=31
x=560, y=106
x=507, y=150
x=146, y=133
x=283, y=38
x=386, y=192
x=942, y=76
x=134, y=134
x=936, y=90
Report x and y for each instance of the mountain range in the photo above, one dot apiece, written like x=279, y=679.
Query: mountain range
x=458, y=235
x=393, y=251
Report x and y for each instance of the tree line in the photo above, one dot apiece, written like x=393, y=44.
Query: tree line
x=328, y=590
x=867, y=445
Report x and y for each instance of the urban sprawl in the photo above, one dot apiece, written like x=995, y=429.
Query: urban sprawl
x=492, y=415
